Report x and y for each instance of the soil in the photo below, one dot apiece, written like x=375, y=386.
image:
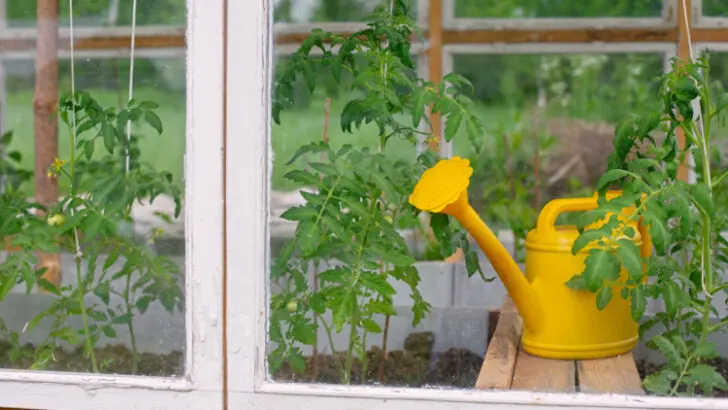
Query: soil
x=414, y=366
x=111, y=359
x=417, y=365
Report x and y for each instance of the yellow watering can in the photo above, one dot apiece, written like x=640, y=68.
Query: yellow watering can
x=559, y=322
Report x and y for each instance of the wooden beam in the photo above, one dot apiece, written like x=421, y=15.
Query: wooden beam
x=46, y=126
x=173, y=39
x=684, y=23
x=434, y=58
x=560, y=36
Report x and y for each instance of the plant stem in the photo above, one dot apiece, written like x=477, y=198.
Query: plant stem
x=331, y=343
x=87, y=334
x=364, y=358
x=80, y=281
x=132, y=336
x=352, y=337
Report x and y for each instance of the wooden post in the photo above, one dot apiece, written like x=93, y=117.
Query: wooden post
x=434, y=54
x=3, y=90
x=46, y=128
x=684, y=23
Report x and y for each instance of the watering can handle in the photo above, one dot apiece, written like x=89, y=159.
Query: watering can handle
x=552, y=210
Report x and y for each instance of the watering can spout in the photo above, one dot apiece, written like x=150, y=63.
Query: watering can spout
x=443, y=189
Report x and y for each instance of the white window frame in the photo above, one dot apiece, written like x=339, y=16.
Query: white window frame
x=668, y=19
x=201, y=386
x=249, y=159
x=702, y=21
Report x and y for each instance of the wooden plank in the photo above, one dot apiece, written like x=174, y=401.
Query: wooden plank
x=536, y=374
x=611, y=375
x=500, y=359
x=561, y=36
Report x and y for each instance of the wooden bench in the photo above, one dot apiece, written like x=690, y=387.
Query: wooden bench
x=507, y=366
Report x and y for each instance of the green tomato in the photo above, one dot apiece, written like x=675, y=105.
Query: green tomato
x=292, y=306
x=57, y=219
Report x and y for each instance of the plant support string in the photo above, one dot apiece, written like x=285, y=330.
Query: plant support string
x=79, y=254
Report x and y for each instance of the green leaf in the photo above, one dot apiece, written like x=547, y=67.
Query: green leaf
x=609, y=177
x=658, y=232
x=296, y=360
x=109, y=134
x=299, y=213
x=325, y=169
x=111, y=259
x=603, y=297
x=102, y=291
x=665, y=346
x=88, y=149
x=376, y=283
x=601, y=265
x=122, y=319
x=109, y=331
x=317, y=303
x=356, y=207
x=390, y=194
x=154, y=121
x=48, y=286
x=707, y=378
x=586, y=238
x=701, y=195
x=649, y=123
x=629, y=254
x=686, y=90
x=8, y=283
x=638, y=302
x=383, y=308
x=305, y=333
x=452, y=125
x=371, y=326
x=148, y=105
x=672, y=295
x=657, y=383
x=302, y=177
x=577, y=282
x=706, y=350
x=142, y=304
x=308, y=236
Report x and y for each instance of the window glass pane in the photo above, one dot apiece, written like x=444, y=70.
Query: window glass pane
x=715, y=8
x=292, y=11
x=98, y=265
x=362, y=291
x=568, y=8
x=95, y=13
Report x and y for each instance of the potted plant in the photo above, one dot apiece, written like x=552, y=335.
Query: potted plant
x=117, y=278
x=342, y=270
x=686, y=224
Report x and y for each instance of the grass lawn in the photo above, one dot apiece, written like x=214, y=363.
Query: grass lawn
x=304, y=126
x=166, y=152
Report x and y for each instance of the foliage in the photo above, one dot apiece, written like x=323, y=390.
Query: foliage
x=93, y=222
x=683, y=221
x=506, y=177
x=356, y=198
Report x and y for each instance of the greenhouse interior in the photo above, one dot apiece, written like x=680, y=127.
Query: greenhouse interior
x=400, y=203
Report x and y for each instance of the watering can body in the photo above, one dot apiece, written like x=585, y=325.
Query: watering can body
x=572, y=327
x=559, y=322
